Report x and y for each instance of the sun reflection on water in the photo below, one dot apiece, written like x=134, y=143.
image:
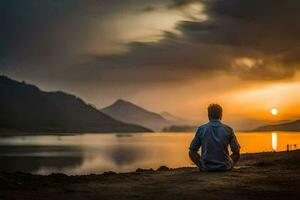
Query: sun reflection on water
x=274, y=141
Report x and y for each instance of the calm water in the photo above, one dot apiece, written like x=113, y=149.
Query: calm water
x=96, y=153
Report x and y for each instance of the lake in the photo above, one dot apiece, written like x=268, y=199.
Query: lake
x=97, y=153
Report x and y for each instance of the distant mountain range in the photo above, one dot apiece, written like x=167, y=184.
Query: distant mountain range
x=26, y=108
x=128, y=112
x=178, y=121
x=180, y=128
x=288, y=126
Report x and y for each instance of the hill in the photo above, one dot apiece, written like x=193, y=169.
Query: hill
x=289, y=126
x=178, y=128
x=26, y=108
x=130, y=113
x=178, y=121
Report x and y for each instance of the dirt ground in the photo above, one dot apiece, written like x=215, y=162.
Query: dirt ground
x=258, y=176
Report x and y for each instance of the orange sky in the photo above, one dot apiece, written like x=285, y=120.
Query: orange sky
x=242, y=100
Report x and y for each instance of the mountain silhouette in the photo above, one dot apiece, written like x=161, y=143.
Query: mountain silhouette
x=180, y=128
x=178, y=121
x=128, y=112
x=26, y=108
x=289, y=126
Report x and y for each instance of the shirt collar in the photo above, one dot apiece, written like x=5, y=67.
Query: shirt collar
x=215, y=122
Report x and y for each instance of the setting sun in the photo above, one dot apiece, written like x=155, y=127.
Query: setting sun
x=274, y=111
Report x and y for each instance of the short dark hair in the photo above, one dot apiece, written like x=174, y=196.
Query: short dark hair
x=214, y=111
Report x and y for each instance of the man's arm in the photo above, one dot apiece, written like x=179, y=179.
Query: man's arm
x=194, y=147
x=235, y=148
x=195, y=157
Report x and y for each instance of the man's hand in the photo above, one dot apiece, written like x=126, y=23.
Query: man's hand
x=195, y=157
x=235, y=158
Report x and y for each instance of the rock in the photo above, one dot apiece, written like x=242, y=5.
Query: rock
x=163, y=168
x=144, y=170
x=109, y=173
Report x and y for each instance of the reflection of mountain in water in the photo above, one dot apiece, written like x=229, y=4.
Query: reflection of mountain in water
x=33, y=158
x=125, y=155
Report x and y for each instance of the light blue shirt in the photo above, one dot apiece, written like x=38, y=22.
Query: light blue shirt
x=214, y=139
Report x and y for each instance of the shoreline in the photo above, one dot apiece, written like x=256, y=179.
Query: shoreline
x=16, y=133
x=24, y=134
x=257, y=176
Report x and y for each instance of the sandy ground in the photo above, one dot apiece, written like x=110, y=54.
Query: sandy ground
x=258, y=176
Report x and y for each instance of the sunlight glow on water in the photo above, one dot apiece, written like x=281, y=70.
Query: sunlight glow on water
x=274, y=141
x=96, y=153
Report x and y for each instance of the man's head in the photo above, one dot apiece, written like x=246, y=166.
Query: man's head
x=214, y=111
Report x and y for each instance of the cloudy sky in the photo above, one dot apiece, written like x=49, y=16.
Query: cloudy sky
x=166, y=55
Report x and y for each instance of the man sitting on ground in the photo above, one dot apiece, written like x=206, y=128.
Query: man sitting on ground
x=214, y=138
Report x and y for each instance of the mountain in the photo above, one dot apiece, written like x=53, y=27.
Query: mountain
x=174, y=120
x=180, y=128
x=128, y=112
x=289, y=126
x=26, y=108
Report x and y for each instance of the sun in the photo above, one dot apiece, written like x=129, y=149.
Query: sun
x=274, y=111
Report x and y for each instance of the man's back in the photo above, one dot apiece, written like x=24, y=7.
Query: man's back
x=214, y=138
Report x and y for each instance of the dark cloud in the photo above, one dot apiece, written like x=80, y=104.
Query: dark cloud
x=264, y=32
x=178, y=4
x=167, y=60
x=49, y=38
x=39, y=35
x=266, y=28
